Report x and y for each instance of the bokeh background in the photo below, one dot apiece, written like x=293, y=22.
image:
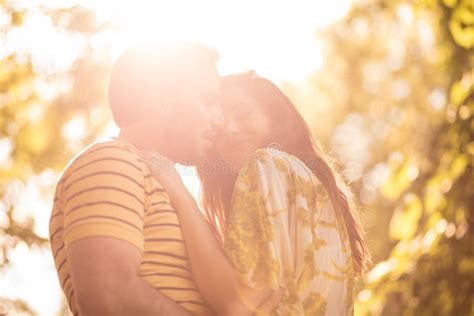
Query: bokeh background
x=386, y=86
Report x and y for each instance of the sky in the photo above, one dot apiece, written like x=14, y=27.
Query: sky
x=274, y=38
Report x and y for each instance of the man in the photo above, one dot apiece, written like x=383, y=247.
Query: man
x=116, y=240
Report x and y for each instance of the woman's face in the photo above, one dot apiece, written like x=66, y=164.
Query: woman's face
x=246, y=127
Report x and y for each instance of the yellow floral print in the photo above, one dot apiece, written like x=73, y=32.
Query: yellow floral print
x=283, y=234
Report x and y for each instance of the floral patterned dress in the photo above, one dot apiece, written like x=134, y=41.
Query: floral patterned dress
x=283, y=234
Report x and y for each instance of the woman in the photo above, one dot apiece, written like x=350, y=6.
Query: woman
x=281, y=235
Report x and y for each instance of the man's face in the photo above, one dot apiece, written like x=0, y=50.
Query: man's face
x=197, y=116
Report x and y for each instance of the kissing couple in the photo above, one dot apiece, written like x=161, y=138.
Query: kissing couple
x=276, y=232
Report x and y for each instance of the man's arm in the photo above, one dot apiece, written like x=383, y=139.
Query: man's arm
x=106, y=282
x=103, y=206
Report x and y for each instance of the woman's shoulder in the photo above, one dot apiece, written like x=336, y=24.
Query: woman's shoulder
x=265, y=162
x=279, y=160
x=269, y=155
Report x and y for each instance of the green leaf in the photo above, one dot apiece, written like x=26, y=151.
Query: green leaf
x=459, y=92
x=461, y=25
x=450, y=3
x=404, y=222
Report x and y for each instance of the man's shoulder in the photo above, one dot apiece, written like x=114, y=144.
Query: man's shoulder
x=111, y=150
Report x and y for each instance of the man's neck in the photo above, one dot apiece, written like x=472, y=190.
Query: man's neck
x=147, y=143
x=137, y=140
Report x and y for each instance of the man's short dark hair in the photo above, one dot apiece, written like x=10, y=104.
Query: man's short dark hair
x=147, y=73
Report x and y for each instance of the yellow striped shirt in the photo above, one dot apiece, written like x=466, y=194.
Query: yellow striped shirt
x=108, y=190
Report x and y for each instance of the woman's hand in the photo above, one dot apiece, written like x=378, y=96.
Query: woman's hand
x=212, y=270
x=163, y=169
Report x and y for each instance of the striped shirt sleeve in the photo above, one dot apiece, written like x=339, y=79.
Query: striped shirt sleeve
x=103, y=195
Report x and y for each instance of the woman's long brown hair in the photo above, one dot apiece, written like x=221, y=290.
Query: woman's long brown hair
x=291, y=133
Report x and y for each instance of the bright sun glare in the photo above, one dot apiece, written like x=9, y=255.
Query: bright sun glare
x=274, y=38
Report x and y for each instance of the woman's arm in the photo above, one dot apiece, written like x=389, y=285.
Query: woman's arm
x=212, y=271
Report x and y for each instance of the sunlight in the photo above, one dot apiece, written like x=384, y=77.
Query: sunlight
x=75, y=129
x=276, y=39
x=6, y=148
x=384, y=87
x=32, y=277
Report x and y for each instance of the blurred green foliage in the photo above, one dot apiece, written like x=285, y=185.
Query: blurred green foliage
x=393, y=102
x=420, y=221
